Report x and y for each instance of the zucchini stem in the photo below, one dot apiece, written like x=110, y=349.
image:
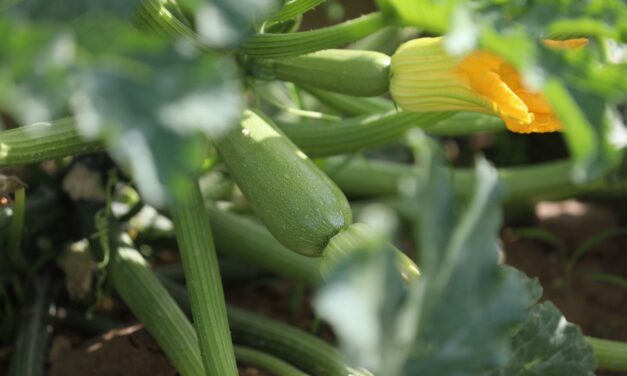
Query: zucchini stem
x=198, y=254
x=154, y=307
x=611, y=355
x=355, y=176
x=551, y=180
x=272, y=45
x=42, y=141
x=266, y=362
x=356, y=134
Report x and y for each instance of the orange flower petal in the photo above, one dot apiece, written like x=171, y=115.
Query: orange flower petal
x=568, y=43
x=542, y=123
x=481, y=70
x=426, y=78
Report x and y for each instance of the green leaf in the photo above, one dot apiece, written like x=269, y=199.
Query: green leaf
x=361, y=300
x=225, y=23
x=150, y=105
x=546, y=344
x=69, y=10
x=457, y=317
x=148, y=98
x=434, y=16
x=468, y=302
x=34, y=67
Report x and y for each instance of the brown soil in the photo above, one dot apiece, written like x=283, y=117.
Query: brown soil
x=126, y=351
x=599, y=308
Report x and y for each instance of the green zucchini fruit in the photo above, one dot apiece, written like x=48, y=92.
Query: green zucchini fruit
x=352, y=72
x=298, y=203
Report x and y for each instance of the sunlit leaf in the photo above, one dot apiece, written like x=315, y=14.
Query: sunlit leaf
x=546, y=344
x=224, y=23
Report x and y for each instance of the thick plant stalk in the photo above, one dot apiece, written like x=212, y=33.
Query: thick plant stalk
x=155, y=308
x=359, y=177
x=356, y=177
x=356, y=134
x=42, y=141
x=461, y=123
x=293, y=9
x=198, y=254
x=266, y=362
x=32, y=337
x=277, y=45
x=611, y=355
x=349, y=104
x=310, y=353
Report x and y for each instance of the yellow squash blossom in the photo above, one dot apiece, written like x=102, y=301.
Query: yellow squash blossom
x=426, y=78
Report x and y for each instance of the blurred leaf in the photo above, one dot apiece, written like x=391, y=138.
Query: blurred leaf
x=468, y=303
x=465, y=315
x=34, y=67
x=361, y=301
x=225, y=23
x=147, y=97
x=150, y=106
x=69, y=10
x=431, y=15
x=546, y=344
x=457, y=317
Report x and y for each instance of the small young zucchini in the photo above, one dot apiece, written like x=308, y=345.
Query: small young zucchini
x=298, y=203
x=358, y=73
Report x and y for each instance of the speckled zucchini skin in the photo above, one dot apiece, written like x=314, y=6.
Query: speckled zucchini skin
x=298, y=203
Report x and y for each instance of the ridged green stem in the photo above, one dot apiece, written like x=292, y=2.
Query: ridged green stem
x=200, y=262
x=42, y=141
x=351, y=105
x=278, y=45
x=461, y=123
x=366, y=178
x=356, y=134
x=355, y=176
x=310, y=353
x=32, y=335
x=157, y=311
x=611, y=355
x=266, y=362
x=294, y=8
x=159, y=16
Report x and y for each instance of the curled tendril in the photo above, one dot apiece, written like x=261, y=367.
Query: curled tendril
x=101, y=223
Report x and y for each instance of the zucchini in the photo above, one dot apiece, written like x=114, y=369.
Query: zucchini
x=298, y=203
x=352, y=72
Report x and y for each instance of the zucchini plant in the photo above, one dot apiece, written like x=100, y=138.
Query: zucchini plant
x=232, y=133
